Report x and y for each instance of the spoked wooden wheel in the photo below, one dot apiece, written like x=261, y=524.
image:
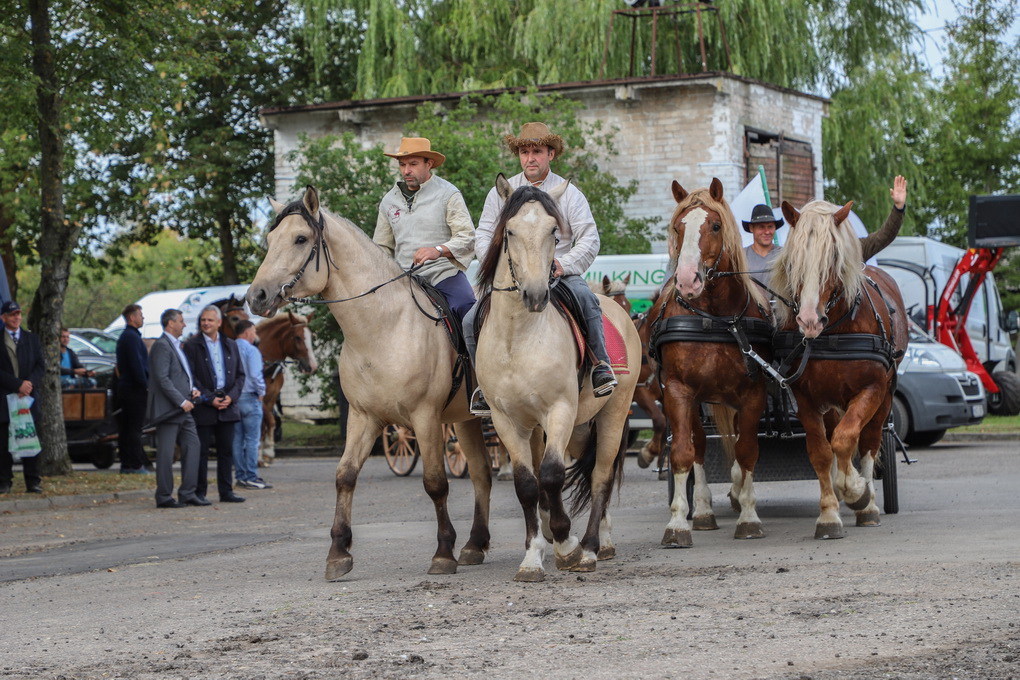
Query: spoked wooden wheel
x=456, y=461
x=401, y=449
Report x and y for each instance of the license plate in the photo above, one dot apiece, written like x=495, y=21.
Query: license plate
x=978, y=410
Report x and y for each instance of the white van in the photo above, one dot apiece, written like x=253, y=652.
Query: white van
x=190, y=301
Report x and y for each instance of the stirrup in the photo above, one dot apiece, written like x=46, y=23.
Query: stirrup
x=479, y=407
x=603, y=380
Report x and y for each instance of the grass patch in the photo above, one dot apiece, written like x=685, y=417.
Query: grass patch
x=298, y=433
x=83, y=482
x=993, y=424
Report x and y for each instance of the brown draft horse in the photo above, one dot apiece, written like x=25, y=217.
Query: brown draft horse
x=284, y=337
x=845, y=335
x=713, y=301
x=233, y=312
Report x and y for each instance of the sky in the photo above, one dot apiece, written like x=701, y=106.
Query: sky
x=933, y=23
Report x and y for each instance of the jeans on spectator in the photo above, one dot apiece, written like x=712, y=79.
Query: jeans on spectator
x=247, y=434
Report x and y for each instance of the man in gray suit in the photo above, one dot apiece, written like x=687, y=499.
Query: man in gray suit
x=171, y=400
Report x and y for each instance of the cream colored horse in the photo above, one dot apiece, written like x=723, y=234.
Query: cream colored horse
x=527, y=367
x=395, y=365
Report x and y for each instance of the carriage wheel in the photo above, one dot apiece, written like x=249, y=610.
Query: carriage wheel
x=493, y=445
x=456, y=461
x=401, y=449
x=887, y=461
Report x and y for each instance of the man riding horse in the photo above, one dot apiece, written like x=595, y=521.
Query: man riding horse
x=578, y=245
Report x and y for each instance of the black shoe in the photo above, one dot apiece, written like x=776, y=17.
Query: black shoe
x=602, y=380
x=197, y=501
x=170, y=504
x=35, y=488
x=5, y=488
x=232, y=498
x=479, y=407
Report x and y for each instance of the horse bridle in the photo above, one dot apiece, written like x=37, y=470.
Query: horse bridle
x=553, y=279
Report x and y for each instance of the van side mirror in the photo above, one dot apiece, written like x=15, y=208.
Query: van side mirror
x=1011, y=322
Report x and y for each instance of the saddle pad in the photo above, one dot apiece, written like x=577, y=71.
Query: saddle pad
x=616, y=348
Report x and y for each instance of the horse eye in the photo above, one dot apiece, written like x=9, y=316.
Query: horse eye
x=301, y=240
x=509, y=232
x=716, y=227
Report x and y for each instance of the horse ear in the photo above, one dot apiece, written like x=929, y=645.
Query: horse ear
x=503, y=187
x=276, y=205
x=605, y=283
x=311, y=200
x=626, y=279
x=843, y=213
x=309, y=316
x=679, y=193
x=715, y=189
x=293, y=319
x=791, y=214
x=558, y=191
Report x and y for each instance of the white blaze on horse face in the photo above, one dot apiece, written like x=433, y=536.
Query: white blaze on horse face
x=688, y=277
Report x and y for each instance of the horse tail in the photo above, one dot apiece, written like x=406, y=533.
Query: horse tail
x=723, y=417
x=578, y=479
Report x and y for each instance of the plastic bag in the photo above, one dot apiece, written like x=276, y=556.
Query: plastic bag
x=22, y=438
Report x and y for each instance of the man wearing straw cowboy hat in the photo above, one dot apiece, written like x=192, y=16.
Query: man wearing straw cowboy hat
x=536, y=146
x=423, y=220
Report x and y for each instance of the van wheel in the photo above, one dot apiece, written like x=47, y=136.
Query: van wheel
x=1007, y=401
x=900, y=418
x=926, y=438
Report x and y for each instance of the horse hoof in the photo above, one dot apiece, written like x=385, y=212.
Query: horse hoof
x=749, y=530
x=607, y=552
x=643, y=462
x=663, y=475
x=677, y=538
x=570, y=560
x=868, y=519
x=505, y=477
x=530, y=575
x=585, y=565
x=443, y=565
x=705, y=523
x=338, y=568
x=470, y=556
x=734, y=503
x=862, y=502
x=828, y=531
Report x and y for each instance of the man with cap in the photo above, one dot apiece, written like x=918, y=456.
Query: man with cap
x=423, y=220
x=536, y=147
x=21, y=373
x=763, y=248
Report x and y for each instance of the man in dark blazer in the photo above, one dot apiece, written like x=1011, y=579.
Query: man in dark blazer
x=170, y=405
x=21, y=373
x=132, y=392
x=219, y=376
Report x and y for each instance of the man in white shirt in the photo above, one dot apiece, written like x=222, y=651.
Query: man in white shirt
x=536, y=147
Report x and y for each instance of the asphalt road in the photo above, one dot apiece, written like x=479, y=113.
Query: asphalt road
x=121, y=589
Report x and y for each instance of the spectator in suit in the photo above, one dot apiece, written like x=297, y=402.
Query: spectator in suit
x=72, y=373
x=219, y=376
x=132, y=392
x=170, y=406
x=248, y=430
x=21, y=373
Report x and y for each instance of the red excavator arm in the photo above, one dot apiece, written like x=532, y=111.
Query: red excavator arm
x=949, y=324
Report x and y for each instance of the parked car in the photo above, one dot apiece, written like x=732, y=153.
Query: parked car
x=934, y=391
x=89, y=414
x=104, y=341
x=83, y=347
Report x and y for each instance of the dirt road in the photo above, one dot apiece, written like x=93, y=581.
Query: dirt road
x=124, y=590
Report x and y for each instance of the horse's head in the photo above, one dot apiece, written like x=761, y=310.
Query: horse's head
x=527, y=233
x=617, y=290
x=819, y=266
x=298, y=343
x=233, y=313
x=294, y=265
x=702, y=231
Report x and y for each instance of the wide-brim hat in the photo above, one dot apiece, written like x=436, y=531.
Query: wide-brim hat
x=762, y=213
x=535, y=134
x=417, y=146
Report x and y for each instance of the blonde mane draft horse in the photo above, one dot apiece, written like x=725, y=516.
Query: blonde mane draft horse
x=281, y=338
x=527, y=365
x=396, y=365
x=845, y=390
x=701, y=358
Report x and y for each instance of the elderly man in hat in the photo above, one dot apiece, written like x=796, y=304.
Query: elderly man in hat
x=536, y=147
x=423, y=220
x=21, y=373
x=763, y=248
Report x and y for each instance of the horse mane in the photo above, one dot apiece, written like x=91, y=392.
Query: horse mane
x=732, y=242
x=513, y=205
x=617, y=287
x=816, y=250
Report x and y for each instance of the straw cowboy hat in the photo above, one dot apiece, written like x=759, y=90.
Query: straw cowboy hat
x=762, y=213
x=417, y=146
x=535, y=134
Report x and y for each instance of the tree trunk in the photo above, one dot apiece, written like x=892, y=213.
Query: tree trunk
x=226, y=235
x=56, y=243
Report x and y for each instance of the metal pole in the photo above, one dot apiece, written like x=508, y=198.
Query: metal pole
x=701, y=39
x=605, y=49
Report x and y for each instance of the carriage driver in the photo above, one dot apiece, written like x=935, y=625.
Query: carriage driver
x=536, y=147
x=423, y=220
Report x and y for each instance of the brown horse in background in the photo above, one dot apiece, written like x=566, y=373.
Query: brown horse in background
x=233, y=312
x=281, y=338
x=844, y=382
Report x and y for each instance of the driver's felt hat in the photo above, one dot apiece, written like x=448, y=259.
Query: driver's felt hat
x=417, y=146
x=761, y=214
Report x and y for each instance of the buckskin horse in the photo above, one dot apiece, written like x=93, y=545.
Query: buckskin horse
x=528, y=366
x=705, y=330
x=396, y=365
x=843, y=331
x=283, y=338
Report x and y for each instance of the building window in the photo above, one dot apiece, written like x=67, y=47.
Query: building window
x=789, y=166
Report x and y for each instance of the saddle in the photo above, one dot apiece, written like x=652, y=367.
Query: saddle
x=445, y=316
